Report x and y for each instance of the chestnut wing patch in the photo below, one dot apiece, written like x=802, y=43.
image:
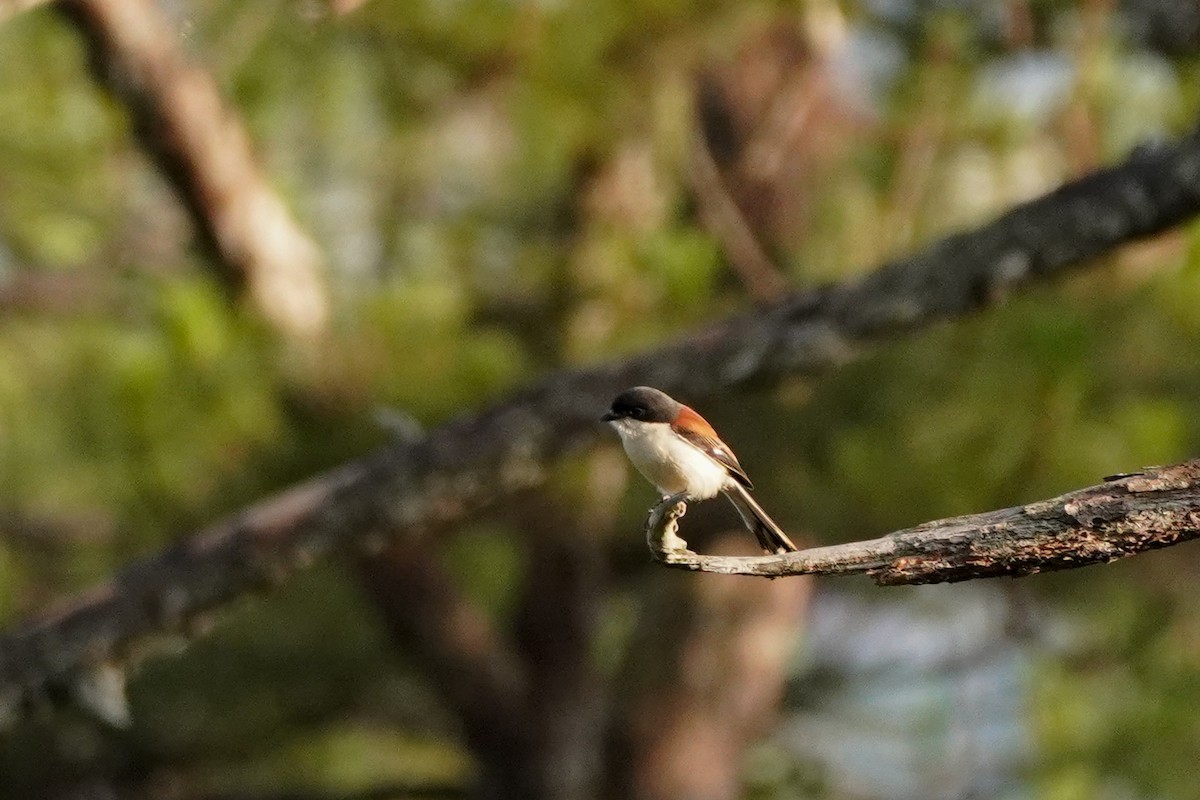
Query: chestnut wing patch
x=701, y=435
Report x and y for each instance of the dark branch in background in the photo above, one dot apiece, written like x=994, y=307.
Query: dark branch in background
x=455, y=470
x=1126, y=515
x=470, y=664
x=719, y=209
x=202, y=147
x=529, y=697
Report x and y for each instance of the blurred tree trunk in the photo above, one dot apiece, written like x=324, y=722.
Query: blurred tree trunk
x=555, y=628
x=203, y=149
x=704, y=680
x=529, y=700
x=481, y=680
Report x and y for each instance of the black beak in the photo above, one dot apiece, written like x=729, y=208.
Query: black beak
x=609, y=417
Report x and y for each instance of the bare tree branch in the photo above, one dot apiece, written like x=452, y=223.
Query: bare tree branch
x=202, y=147
x=457, y=469
x=1126, y=515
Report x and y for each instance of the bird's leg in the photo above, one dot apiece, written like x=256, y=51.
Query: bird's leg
x=662, y=526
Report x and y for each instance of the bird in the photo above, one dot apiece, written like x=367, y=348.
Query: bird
x=679, y=452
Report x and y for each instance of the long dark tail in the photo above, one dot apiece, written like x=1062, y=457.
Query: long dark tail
x=770, y=536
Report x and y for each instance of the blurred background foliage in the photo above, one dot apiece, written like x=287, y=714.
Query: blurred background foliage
x=502, y=188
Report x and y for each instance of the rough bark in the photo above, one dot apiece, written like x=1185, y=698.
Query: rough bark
x=1123, y=516
x=460, y=467
x=202, y=147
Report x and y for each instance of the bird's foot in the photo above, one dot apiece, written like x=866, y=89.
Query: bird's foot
x=662, y=526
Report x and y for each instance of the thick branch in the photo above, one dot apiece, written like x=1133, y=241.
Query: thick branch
x=203, y=148
x=460, y=467
x=1121, y=517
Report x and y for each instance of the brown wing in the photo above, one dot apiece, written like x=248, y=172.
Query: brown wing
x=701, y=435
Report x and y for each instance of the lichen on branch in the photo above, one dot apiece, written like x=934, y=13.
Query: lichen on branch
x=1125, y=515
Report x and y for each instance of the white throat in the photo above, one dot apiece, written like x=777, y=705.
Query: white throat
x=668, y=461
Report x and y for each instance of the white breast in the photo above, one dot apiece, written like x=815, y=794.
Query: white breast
x=669, y=462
